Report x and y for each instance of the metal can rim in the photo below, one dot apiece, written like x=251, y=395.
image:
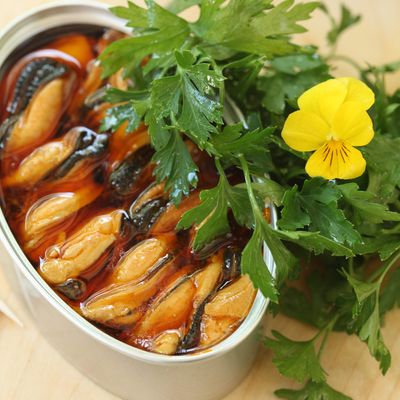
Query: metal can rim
x=260, y=304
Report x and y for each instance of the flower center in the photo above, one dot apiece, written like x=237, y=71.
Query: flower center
x=335, y=148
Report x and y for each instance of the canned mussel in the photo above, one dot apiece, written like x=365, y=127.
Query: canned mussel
x=88, y=214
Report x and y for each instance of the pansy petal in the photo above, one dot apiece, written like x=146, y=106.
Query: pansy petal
x=352, y=124
x=358, y=91
x=336, y=160
x=304, y=131
x=324, y=99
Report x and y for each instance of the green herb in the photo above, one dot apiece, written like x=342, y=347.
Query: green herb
x=312, y=391
x=305, y=367
x=347, y=20
x=184, y=77
x=316, y=206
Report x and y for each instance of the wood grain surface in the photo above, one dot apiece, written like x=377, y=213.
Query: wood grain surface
x=31, y=370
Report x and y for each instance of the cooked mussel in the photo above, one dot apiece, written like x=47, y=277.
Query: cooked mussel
x=122, y=305
x=89, y=146
x=170, y=311
x=152, y=212
x=74, y=289
x=33, y=75
x=226, y=310
x=148, y=207
x=80, y=251
x=53, y=209
x=58, y=157
x=41, y=93
x=124, y=177
x=170, y=217
x=166, y=343
x=38, y=164
x=206, y=281
x=142, y=259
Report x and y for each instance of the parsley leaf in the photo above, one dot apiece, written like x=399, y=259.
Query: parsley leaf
x=252, y=145
x=211, y=216
x=371, y=333
x=136, y=16
x=390, y=296
x=175, y=166
x=187, y=98
x=315, y=242
x=259, y=28
x=367, y=317
x=176, y=6
x=253, y=263
x=385, y=245
x=312, y=391
x=316, y=206
x=288, y=78
x=131, y=112
x=269, y=189
x=364, y=208
x=163, y=32
x=382, y=160
x=347, y=20
x=296, y=360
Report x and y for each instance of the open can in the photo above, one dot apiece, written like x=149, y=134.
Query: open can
x=126, y=371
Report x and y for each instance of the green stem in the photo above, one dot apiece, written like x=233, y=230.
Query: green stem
x=351, y=265
x=220, y=169
x=389, y=266
x=384, y=269
x=254, y=205
x=347, y=59
x=326, y=332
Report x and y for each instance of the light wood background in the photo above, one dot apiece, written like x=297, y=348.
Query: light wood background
x=31, y=370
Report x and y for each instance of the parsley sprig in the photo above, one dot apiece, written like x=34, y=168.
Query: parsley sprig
x=184, y=77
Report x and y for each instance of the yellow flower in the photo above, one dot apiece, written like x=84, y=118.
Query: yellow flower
x=333, y=120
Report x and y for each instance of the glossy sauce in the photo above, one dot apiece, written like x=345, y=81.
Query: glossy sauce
x=90, y=182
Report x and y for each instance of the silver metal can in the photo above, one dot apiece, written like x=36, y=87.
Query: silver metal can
x=126, y=371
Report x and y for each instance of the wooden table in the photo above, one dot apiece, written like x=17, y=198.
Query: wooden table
x=31, y=369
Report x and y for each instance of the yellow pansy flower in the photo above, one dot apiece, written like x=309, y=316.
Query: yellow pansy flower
x=332, y=120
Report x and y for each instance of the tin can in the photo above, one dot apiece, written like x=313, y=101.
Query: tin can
x=125, y=371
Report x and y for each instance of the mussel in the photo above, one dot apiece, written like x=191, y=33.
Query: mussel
x=123, y=144
x=53, y=209
x=226, y=310
x=124, y=177
x=167, y=342
x=170, y=311
x=72, y=288
x=148, y=207
x=57, y=158
x=40, y=96
x=206, y=281
x=170, y=217
x=89, y=146
x=152, y=212
x=80, y=251
x=141, y=259
x=122, y=305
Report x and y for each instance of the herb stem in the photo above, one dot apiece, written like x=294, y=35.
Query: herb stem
x=384, y=269
x=351, y=265
x=254, y=205
x=326, y=332
x=347, y=59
